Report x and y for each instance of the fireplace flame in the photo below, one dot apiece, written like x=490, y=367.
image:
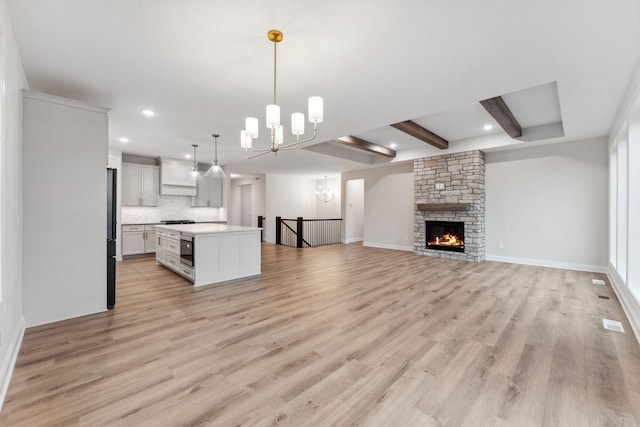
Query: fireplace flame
x=447, y=240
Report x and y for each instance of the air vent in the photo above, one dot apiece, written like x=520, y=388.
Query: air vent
x=612, y=325
x=598, y=282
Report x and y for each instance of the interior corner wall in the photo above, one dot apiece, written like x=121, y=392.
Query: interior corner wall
x=258, y=188
x=547, y=205
x=288, y=196
x=11, y=315
x=388, y=205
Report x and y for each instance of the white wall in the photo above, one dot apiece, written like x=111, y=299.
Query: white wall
x=288, y=196
x=388, y=205
x=65, y=204
x=11, y=318
x=354, y=211
x=258, y=190
x=547, y=205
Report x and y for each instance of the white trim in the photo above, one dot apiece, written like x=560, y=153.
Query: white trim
x=40, y=96
x=386, y=246
x=353, y=239
x=630, y=304
x=10, y=361
x=548, y=263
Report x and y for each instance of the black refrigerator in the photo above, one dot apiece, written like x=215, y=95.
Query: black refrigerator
x=111, y=237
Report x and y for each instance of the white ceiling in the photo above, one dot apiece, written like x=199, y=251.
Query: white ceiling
x=204, y=65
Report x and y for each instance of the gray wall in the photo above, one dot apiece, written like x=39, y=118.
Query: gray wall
x=65, y=204
x=547, y=205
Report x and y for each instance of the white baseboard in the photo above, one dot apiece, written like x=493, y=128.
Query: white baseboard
x=548, y=263
x=9, y=361
x=386, y=246
x=353, y=240
x=629, y=302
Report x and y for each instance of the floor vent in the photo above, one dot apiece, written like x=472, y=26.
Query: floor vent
x=598, y=282
x=612, y=325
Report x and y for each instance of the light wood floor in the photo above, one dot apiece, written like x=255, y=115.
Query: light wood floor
x=339, y=335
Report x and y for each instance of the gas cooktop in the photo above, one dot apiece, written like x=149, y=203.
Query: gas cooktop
x=178, y=221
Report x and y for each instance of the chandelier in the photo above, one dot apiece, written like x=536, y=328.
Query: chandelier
x=324, y=194
x=273, y=118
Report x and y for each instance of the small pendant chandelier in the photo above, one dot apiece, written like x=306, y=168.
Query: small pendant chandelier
x=195, y=174
x=273, y=118
x=215, y=171
x=324, y=194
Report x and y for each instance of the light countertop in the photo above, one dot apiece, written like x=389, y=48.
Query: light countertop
x=197, y=229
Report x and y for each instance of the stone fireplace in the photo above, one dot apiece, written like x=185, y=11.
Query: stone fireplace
x=449, y=210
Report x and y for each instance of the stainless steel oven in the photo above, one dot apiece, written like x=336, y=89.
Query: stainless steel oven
x=187, y=250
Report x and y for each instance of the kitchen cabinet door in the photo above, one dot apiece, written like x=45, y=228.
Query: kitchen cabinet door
x=149, y=185
x=150, y=241
x=140, y=185
x=161, y=249
x=132, y=242
x=130, y=185
x=209, y=193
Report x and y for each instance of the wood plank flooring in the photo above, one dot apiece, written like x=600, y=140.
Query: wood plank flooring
x=334, y=336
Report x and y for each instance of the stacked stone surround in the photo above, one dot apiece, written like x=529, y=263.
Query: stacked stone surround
x=463, y=177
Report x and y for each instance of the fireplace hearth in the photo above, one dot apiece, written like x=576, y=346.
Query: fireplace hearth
x=445, y=235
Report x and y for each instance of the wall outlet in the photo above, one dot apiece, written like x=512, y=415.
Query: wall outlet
x=439, y=185
x=500, y=245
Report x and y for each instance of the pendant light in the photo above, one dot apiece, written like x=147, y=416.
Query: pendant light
x=250, y=132
x=324, y=194
x=215, y=171
x=195, y=174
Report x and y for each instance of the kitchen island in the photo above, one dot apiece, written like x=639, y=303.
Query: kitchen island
x=216, y=252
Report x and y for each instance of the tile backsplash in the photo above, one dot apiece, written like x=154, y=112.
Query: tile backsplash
x=170, y=207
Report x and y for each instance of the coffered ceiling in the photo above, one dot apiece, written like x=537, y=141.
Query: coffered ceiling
x=204, y=65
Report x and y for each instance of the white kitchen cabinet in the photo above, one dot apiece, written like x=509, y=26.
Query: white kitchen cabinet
x=140, y=185
x=209, y=193
x=161, y=247
x=138, y=239
x=150, y=239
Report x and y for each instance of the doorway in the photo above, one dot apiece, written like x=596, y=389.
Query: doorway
x=354, y=210
x=246, y=206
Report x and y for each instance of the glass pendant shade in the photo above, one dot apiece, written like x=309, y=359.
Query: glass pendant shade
x=273, y=116
x=279, y=135
x=251, y=126
x=215, y=171
x=194, y=175
x=297, y=123
x=316, y=109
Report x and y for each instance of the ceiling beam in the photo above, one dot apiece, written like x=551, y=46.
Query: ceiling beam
x=417, y=131
x=502, y=114
x=362, y=144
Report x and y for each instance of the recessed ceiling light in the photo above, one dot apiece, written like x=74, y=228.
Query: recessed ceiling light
x=393, y=145
x=488, y=127
x=188, y=156
x=124, y=139
x=148, y=113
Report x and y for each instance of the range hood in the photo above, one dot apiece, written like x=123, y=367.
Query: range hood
x=173, y=178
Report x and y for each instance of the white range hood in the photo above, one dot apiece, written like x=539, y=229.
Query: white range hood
x=174, y=178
